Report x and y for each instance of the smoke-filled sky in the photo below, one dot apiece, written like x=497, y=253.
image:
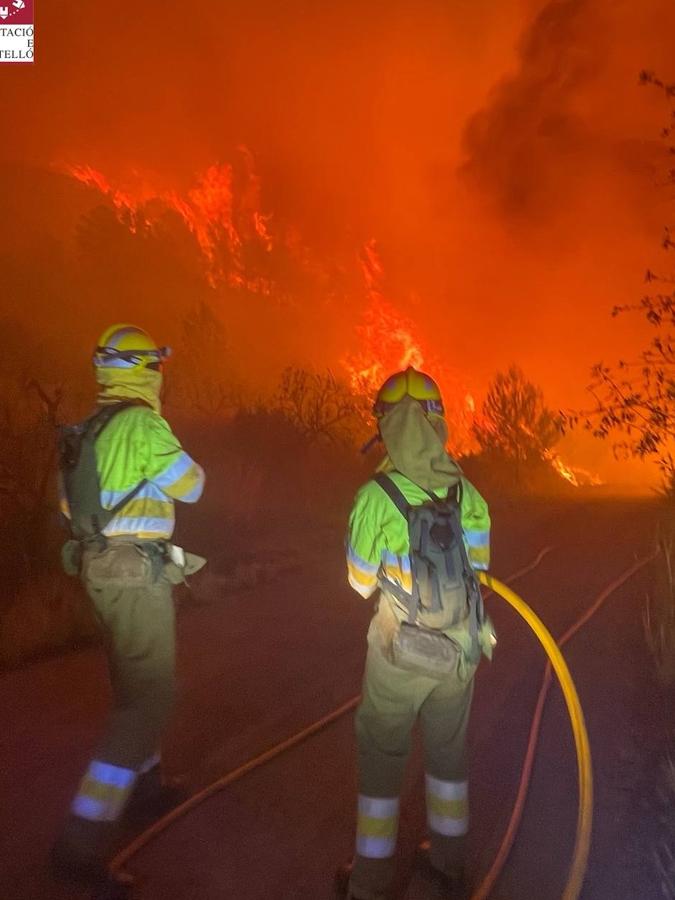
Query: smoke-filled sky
x=502, y=154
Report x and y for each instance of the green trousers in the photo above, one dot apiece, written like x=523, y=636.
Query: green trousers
x=392, y=701
x=139, y=631
x=138, y=624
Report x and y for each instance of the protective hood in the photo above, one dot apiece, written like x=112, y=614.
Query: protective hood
x=138, y=383
x=415, y=446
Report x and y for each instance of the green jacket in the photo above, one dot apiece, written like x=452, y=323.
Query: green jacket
x=378, y=545
x=377, y=541
x=138, y=444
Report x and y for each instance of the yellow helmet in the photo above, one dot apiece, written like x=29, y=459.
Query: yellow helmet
x=125, y=346
x=409, y=383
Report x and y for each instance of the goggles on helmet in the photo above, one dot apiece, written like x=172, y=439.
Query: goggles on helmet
x=109, y=357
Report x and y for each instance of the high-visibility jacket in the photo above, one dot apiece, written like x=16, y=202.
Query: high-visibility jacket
x=377, y=540
x=136, y=445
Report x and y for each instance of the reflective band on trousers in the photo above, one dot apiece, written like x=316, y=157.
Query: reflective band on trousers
x=103, y=792
x=447, y=806
x=377, y=827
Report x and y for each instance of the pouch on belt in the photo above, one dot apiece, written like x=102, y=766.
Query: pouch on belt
x=123, y=565
x=425, y=652
x=178, y=564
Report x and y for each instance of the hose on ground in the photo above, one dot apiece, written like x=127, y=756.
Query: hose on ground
x=585, y=772
x=126, y=853
x=584, y=822
x=485, y=888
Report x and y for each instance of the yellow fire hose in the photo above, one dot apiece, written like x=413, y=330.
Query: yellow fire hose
x=585, y=814
x=485, y=888
x=585, y=810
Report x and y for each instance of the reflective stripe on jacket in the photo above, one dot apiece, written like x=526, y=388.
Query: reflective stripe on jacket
x=138, y=444
x=378, y=534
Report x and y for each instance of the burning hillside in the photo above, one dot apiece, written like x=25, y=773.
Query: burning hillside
x=222, y=220
x=387, y=342
x=222, y=211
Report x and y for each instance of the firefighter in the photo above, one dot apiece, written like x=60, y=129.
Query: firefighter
x=413, y=429
x=120, y=507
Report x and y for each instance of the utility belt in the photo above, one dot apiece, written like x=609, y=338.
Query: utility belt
x=429, y=651
x=128, y=562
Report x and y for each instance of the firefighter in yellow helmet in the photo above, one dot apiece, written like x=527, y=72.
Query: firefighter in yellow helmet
x=417, y=531
x=121, y=471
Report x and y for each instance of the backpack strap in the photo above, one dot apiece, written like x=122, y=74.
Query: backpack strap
x=397, y=497
x=95, y=425
x=393, y=491
x=459, y=492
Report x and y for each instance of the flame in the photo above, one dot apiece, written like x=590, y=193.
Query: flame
x=251, y=202
x=574, y=474
x=121, y=200
x=226, y=219
x=221, y=219
x=388, y=343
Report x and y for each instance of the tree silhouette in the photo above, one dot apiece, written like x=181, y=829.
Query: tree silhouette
x=199, y=380
x=319, y=406
x=514, y=420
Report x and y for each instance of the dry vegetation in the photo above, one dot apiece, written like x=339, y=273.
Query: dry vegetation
x=659, y=622
x=267, y=465
x=40, y=609
x=271, y=465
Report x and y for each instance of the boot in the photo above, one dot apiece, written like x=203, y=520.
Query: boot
x=152, y=799
x=82, y=850
x=342, y=889
x=451, y=884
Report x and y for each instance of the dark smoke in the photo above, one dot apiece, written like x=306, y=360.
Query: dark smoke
x=525, y=143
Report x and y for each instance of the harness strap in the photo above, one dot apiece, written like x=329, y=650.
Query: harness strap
x=96, y=424
x=394, y=493
x=397, y=497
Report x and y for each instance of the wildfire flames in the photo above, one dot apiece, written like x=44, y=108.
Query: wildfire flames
x=226, y=219
x=221, y=220
x=387, y=343
x=574, y=474
x=386, y=338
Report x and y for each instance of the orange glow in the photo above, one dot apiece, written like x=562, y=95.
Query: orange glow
x=208, y=211
x=504, y=156
x=386, y=338
x=574, y=474
x=388, y=342
x=120, y=199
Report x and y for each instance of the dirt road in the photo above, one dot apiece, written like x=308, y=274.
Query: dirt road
x=259, y=664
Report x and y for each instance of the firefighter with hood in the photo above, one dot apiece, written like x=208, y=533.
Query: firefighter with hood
x=417, y=531
x=121, y=471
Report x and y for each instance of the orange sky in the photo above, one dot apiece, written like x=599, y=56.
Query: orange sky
x=502, y=155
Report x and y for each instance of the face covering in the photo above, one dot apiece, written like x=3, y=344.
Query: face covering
x=138, y=383
x=415, y=446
